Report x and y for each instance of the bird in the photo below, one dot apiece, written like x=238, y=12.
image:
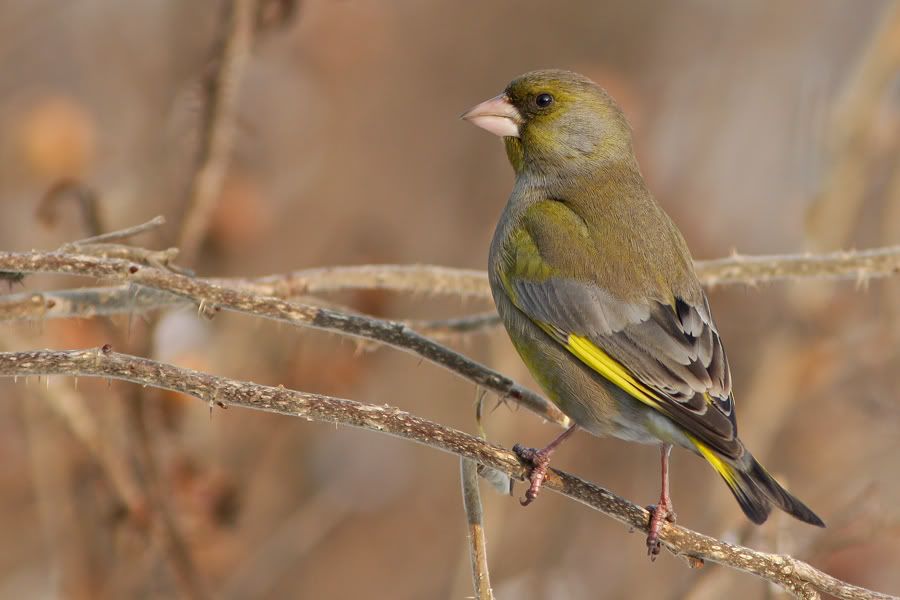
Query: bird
x=597, y=290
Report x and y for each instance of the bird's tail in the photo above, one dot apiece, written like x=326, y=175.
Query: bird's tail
x=754, y=489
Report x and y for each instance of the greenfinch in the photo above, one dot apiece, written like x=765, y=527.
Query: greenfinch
x=597, y=290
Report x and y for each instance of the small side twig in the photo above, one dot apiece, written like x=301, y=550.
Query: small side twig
x=116, y=236
x=450, y=328
x=792, y=575
x=481, y=576
x=86, y=197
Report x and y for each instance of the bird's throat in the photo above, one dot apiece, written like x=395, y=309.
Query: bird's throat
x=515, y=153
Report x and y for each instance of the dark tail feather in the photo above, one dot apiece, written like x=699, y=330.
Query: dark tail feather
x=758, y=476
x=756, y=490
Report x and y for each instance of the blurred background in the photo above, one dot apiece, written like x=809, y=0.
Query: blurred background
x=761, y=128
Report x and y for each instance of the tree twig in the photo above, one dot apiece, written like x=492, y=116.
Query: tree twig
x=118, y=235
x=72, y=409
x=107, y=301
x=218, y=133
x=210, y=298
x=138, y=485
x=451, y=328
x=420, y=279
x=88, y=203
x=481, y=575
x=859, y=265
x=836, y=211
x=796, y=577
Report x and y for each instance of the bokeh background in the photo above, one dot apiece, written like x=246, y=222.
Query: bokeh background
x=762, y=127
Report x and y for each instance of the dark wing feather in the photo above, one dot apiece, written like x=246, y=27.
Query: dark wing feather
x=674, y=350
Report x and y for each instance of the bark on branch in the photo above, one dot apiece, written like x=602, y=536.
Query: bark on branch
x=211, y=297
x=796, y=577
x=859, y=265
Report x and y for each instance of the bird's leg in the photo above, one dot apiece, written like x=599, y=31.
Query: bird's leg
x=662, y=511
x=540, y=462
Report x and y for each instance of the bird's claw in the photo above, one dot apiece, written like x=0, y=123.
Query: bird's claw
x=658, y=513
x=539, y=461
x=670, y=515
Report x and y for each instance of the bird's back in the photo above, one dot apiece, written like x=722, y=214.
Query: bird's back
x=613, y=220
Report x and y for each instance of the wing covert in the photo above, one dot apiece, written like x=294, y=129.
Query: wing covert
x=668, y=356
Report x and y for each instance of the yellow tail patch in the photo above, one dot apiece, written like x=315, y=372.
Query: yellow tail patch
x=721, y=467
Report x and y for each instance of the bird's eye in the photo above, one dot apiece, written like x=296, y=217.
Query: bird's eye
x=543, y=100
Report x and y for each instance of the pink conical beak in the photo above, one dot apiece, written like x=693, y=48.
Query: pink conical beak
x=496, y=115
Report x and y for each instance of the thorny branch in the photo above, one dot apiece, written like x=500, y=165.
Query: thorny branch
x=857, y=265
x=127, y=299
x=860, y=266
x=159, y=287
x=794, y=576
x=152, y=283
x=211, y=298
x=130, y=473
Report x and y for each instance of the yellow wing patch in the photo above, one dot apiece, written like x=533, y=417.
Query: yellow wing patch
x=601, y=362
x=605, y=365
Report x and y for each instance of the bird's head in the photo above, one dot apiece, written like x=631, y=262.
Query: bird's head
x=555, y=122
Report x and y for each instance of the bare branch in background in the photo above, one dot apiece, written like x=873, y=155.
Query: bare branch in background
x=125, y=299
x=857, y=265
x=86, y=197
x=211, y=297
x=481, y=575
x=836, y=211
x=118, y=235
x=73, y=410
x=794, y=576
x=134, y=480
x=448, y=329
x=275, y=14
x=419, y=279
x=860, y=265
x=310, y=524
x=218, y=132
x=469, y=472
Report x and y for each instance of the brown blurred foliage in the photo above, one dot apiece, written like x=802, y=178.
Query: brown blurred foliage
x=349, y=151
